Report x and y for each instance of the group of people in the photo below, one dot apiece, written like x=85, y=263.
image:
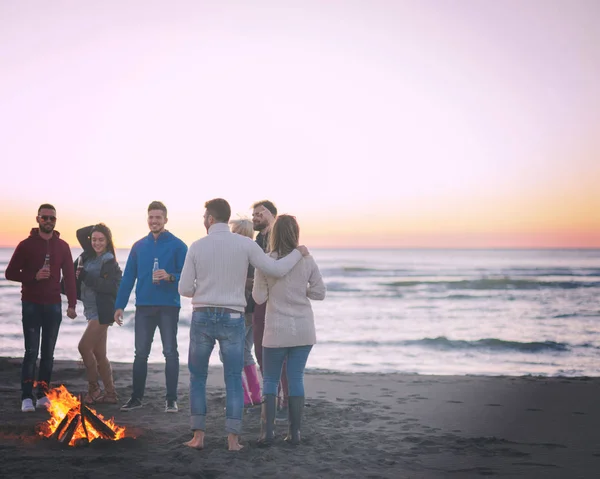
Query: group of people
x=244, y=294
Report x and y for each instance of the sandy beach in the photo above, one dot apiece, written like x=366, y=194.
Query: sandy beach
x=356, y=425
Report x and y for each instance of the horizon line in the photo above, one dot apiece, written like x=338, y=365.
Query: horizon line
x=432, y=248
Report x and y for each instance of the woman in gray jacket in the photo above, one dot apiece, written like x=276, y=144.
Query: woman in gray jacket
x=289, y=327
x=98, y=277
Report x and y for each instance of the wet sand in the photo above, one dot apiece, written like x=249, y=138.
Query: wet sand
x=355, y=425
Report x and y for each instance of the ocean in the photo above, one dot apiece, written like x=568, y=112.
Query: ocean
x=479, y=312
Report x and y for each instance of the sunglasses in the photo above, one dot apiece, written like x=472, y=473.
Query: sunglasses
x=47, y=217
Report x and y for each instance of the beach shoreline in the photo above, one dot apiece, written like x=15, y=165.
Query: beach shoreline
x=356, y=425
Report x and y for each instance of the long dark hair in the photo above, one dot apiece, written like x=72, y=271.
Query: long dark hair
x=105, y=230
x=284, y=236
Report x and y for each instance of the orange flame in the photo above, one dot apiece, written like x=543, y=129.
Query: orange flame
x=61, y=402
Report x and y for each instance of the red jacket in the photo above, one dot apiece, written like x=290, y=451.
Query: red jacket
x=29, y=258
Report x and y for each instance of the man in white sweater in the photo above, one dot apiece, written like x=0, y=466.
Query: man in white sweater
x=214, y=276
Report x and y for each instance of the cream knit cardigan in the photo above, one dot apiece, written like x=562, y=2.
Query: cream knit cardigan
x=215, y=268
x=289, y=319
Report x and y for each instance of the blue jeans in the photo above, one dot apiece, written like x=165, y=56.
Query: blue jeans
x=273, y=359
x=147, y=318
x=248, y=344
x=229, y=329
x=45, y=318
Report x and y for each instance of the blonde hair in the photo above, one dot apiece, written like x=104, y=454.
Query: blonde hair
x=285, y=235
x=242, y=226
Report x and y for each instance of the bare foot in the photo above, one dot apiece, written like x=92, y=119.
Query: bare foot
x=197, y=442
x=233, y=441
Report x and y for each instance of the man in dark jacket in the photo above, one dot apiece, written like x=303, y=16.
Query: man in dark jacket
x=37, y=264
x=264, y=214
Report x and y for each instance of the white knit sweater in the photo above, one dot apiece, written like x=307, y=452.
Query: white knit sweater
x=215, y=268
x=289, y=319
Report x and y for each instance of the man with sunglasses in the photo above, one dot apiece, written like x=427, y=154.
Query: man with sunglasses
x=37, y=263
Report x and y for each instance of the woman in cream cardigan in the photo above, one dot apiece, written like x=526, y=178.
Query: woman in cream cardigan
x=289, y=327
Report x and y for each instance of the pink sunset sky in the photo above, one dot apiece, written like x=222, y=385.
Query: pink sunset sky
x=377, y=123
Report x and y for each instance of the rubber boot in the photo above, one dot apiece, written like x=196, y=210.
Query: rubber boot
x=253, y=383
x=247, y=399
x=267, y=420
x=296, y=410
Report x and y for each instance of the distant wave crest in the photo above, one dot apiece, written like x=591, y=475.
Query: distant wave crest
x=498, y=283
x=443, y=343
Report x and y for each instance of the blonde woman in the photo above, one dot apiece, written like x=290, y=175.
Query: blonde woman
x=251, y=385
x=289, y=327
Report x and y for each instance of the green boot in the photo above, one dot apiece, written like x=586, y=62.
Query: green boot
x=296, y=410
x=267, y=420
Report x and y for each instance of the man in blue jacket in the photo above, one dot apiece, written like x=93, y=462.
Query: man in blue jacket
x=157, y=302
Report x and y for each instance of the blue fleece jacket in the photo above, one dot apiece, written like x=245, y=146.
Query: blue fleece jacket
x=171, y=252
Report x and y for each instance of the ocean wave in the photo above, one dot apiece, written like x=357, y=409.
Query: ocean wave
x=427, y=271
x=336, y=286
x=498, y=283
x=577, y=315
x=542, y=272
x=443, y=343
x=465, y=296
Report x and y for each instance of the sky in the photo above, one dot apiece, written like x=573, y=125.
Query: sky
x=417, y=123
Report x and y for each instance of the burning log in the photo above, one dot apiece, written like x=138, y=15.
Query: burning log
x=68, y=435
x=63, y=424
x=82, y=412
x=72, y=422
x=97, y=423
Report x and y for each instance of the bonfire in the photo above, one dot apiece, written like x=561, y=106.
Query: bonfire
x=73, y=423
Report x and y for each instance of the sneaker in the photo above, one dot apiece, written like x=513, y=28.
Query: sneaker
x=42, y=403
x=281, y=416
x=171, y=406
x=132, y=404
x=27, y=405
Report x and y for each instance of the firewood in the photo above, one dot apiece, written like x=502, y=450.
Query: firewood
x=97, y=423
x=71, y=428
x=82, y=412
x=62, y=424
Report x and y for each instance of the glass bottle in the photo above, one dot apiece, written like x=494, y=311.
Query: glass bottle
x=154, y=269
x=79, y=264
x=47, y=262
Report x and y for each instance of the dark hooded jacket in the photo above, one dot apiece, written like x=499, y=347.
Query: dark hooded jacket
x=28, y=259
